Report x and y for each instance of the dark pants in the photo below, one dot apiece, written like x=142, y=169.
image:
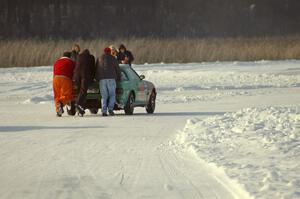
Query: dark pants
x=83, y=85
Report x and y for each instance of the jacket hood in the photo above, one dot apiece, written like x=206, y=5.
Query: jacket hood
x=122, y=46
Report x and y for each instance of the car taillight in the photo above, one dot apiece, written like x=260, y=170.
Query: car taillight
x=119, y=91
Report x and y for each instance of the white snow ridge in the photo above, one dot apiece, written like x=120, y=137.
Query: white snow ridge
x=260, y=147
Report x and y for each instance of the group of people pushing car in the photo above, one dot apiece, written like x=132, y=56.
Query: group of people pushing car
x=81, y=68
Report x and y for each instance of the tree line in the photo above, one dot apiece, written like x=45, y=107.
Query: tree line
x=147, y=18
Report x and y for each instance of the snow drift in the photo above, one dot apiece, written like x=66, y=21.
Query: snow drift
x=260, y=147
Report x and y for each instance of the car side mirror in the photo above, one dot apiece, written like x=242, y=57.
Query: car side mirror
x=142, y=77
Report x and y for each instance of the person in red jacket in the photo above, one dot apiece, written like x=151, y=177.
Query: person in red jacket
x=62, y=82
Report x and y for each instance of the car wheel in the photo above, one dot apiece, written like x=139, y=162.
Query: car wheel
x=93, y=110
x=129, y=107
x=151, y=103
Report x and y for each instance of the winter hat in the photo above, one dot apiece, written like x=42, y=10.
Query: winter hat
x=107, y=50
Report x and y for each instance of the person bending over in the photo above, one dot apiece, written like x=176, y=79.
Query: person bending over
x=83, y=76
x=62, y=82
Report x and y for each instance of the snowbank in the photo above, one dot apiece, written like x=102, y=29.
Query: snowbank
x=260, y=147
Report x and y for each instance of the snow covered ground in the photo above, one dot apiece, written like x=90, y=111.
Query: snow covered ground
x=221, y=130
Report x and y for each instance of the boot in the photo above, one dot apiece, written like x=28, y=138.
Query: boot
x=71, y=109
x=80, y=110
x=60, y=110
x=111, y=113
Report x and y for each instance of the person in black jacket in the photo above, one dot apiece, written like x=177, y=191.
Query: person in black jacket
x=107, y=73
x=125, y=56
x=84, y=74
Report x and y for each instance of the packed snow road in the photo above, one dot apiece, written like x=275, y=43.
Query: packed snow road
x=95, y=157
x=142, y=156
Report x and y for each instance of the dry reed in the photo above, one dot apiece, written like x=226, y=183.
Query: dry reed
x=148, y=50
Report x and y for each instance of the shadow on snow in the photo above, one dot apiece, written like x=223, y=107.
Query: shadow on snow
x=30, y=128
x=175, y=114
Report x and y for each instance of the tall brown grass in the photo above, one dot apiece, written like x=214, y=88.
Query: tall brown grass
x=40, y=53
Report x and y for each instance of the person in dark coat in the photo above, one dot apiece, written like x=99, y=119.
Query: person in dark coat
x=75, y=52
x=125, y=56
x=84, y=74
x=107, y=73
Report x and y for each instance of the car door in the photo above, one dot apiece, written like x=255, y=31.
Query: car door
x=138, y=87
x=123, y=88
